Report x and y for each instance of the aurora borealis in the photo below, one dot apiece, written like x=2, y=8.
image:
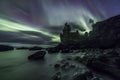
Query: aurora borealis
x=40, y=21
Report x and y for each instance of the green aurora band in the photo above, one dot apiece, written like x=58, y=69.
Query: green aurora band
x=6, y=25
x=12, y=26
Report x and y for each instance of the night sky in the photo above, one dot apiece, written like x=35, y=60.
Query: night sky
x=41, y=21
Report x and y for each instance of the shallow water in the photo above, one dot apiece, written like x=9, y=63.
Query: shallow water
x=14, y=65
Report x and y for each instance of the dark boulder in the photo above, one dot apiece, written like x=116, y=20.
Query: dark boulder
x=37, y=56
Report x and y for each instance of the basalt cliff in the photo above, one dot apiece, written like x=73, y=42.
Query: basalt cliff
x=105, y=34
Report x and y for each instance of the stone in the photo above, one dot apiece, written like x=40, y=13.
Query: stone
x=109, y=68
x=79, y=76
x=95, y=78
x=117, y=62
x=65, y=66
x=77, y=58
x=69, y=58
x=57, y=66
x=57, y=76
x=89, y=74
x=65, y=51
x=113, y=53
x=37, y=56
x=72, y=65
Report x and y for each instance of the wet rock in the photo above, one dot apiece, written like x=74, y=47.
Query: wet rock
x=95, y=78
x=85, y=75
x=72, y=65
x=57, y=76
x=37, y=56
x=104, y=59
x=109, y=69
x=57, y=66
x=117, y=62
x=82, y=75
x=66, y=51
x=65, y=65
x=113, y=53
x=97, y=65
x=63, y=61
x=77, y=58
x=65, y=77
x=69, y=58
x=89, y=74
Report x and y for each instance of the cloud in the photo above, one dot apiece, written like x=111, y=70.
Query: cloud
x=24, y=37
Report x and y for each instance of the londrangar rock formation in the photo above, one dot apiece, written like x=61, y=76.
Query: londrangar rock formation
x=105, y=34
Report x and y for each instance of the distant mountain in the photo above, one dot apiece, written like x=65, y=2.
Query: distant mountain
x=5, y=48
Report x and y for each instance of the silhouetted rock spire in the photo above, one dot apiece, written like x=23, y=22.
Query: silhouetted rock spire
x=67, y=28
x=68, y=36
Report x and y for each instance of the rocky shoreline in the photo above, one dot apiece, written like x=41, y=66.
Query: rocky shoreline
x=100, y=51
x=98, y=60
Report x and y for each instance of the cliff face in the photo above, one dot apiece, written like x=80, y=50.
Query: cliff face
x=108, y=28
x=105, y=34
